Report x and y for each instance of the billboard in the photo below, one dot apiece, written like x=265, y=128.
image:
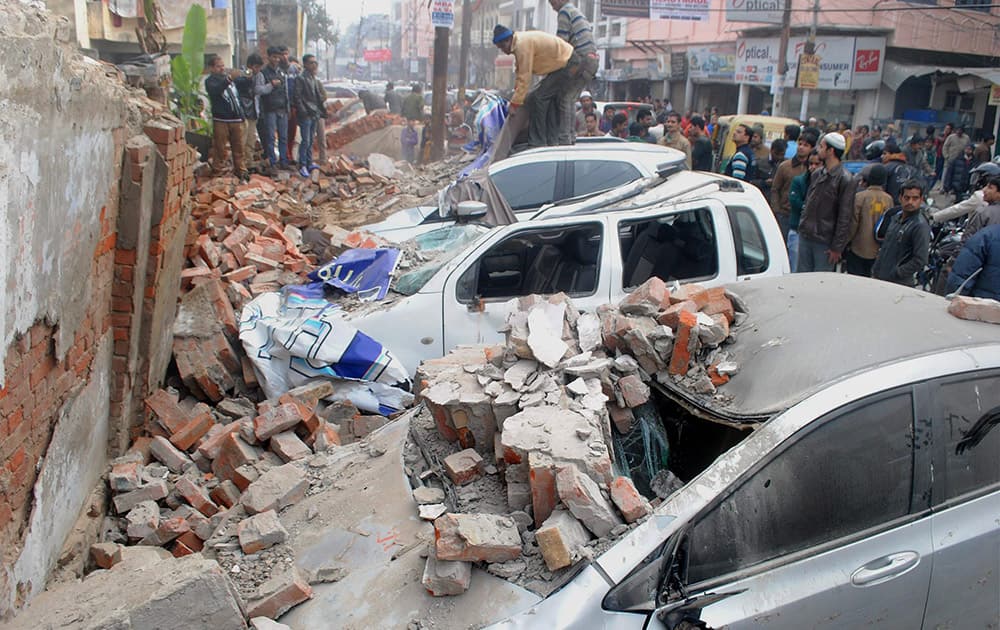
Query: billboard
x=442, y=13
x=712, y=63
x=685, y=10
x=625, y=8
x=382, y=55
x=765, y=11
x=845, y=63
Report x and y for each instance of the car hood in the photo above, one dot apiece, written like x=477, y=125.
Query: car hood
x=401, y=219
x=366, y=521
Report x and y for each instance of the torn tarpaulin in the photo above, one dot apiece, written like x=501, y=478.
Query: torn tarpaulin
x=366, y=272
x=292, y=340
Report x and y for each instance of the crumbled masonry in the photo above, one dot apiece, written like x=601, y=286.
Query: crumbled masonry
x=538, y=414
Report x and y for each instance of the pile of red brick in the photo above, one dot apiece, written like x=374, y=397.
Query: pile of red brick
x=350, y=132
x=202, y=475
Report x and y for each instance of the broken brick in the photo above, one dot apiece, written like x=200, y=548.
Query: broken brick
x=168, y=455
x=694, y=292
x=260, y=532
x=559, y=539
x=627, y=499
x=279, y=594
x=646, y=299
x=192, y=431
x=446, y=577
x=583, y=497
x=233, y=453
x=289, y=447
x=166, y=532
x=464, y=466
x=680, y=358
x=476, y=538
x=277, y=488
x=165, y=408
x=106, y=555
x=671, y=316
x=225, y=494
x=195, y=496
x=975, y=309
x=125, y=476
x=622, y=418
x=634, y=392
x=275, y=420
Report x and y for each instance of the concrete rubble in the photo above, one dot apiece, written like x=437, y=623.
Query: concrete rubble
x=543, y=412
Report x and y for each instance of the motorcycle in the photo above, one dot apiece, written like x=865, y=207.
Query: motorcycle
x=946, y=243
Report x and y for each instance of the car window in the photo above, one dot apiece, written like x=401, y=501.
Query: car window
x=967, y=408
x=527, y=185
x=676, y=246
x=848, y=472
x=593, y=175
x=751, y=252
x=537, y=261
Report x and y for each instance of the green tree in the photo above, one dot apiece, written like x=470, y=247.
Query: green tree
x=319, y=26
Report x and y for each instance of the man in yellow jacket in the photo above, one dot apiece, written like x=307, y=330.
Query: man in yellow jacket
x=539, y=53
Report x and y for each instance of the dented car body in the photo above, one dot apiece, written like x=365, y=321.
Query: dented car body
x=863, y=488
x=712, y=233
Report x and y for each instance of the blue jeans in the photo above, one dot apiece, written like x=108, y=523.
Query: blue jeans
x=307, y=129
x=813, y=257
x=274, y=121
x=793, y=250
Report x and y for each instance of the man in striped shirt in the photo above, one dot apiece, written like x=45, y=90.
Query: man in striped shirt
x=574, y=28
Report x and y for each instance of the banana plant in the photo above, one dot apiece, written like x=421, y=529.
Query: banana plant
x=187, y=68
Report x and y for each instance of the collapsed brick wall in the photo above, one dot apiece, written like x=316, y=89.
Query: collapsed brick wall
x=91, y=245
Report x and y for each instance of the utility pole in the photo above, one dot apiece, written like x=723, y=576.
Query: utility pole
x=778, y=102
x=440, y=91
x=463, y=56
x=804, y=110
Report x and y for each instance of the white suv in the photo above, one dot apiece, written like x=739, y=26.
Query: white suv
x=716, y=230
x=536, y=177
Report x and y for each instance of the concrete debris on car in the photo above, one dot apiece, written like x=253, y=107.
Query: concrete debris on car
x=547, y=411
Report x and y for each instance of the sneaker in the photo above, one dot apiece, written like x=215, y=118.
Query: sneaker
x=304, y=172
x=313, y=167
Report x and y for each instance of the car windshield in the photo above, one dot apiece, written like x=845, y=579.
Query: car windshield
x=428, y=252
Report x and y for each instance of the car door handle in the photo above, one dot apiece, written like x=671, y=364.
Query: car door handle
x=885, y=568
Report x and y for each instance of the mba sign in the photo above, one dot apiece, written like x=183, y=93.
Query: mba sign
x=766, y=11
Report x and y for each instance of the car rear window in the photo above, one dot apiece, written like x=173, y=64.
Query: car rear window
x=527, y=186
x=594, y=175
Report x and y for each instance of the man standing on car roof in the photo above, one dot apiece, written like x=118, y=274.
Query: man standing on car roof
x=573, y=28
x=826, y=217
x=534, y=53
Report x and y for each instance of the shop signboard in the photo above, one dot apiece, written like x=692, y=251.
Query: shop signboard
x=994, y=98
x=765, y=11
x=684, y=10
x=625, y=8
x=712, y=63
x=845, y=63
x=808, y=78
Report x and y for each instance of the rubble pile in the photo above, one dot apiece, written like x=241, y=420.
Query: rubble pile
x=541, y=414
x=351, y=131
x=214, y=480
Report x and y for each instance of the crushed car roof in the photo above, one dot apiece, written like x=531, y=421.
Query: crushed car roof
x=805, y=331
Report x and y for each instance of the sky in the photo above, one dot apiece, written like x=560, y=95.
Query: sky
x=346, y=12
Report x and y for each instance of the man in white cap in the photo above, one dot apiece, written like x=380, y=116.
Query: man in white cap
x=586, y=107
x=825, y=224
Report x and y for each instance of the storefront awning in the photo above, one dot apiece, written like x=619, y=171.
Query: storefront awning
x=896, y=73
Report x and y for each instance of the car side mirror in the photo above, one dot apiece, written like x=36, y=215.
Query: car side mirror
x=470, y=211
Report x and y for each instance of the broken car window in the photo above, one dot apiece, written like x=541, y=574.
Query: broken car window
x=546, y=261
x=966, y=406
x=850, y=472
x=677, y=246
x=428, y=252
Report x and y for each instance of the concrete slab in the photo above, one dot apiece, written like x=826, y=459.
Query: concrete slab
x=365, y=522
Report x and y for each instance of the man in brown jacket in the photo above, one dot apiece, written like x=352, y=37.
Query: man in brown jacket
x=783, y=176
x=826, y=216
x=869, y=205
x=534, y=53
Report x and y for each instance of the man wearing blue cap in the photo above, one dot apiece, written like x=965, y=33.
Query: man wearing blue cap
x=534, y=53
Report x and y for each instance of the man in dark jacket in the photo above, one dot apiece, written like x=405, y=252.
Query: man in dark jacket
x=269, y=86
x=227, y=117
x=981, y=253
x=244, y=87
x=956, y=173
x=310, y=103
x=907, y=240
x=825, y=224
